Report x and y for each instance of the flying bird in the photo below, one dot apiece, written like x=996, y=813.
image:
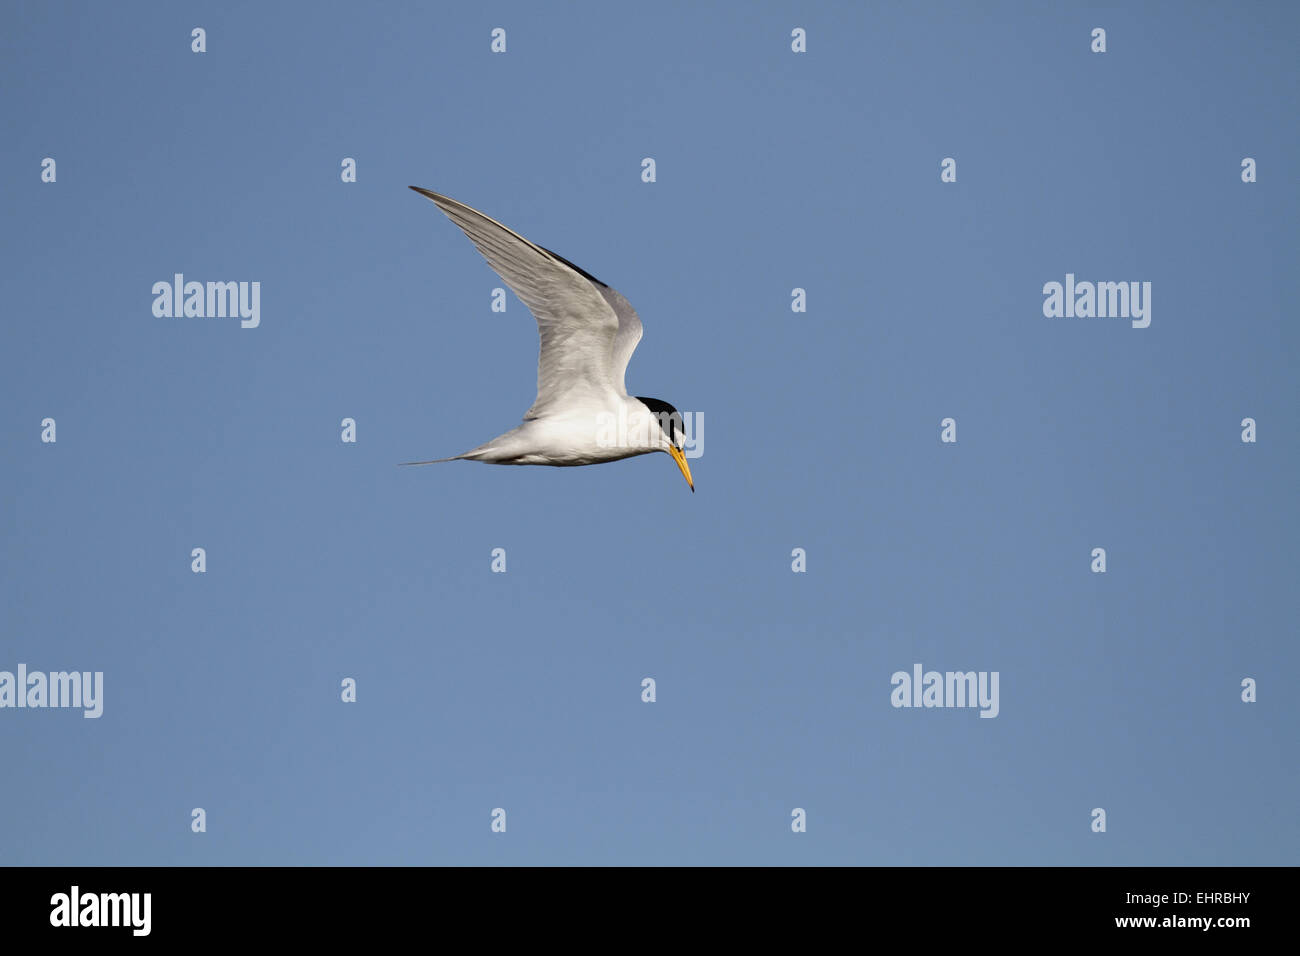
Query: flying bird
x=583, y=414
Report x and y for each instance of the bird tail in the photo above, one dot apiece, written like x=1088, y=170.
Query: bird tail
x=485, y=452
x=432, y=461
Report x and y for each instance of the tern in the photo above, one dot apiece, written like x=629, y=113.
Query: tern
x=583, y=414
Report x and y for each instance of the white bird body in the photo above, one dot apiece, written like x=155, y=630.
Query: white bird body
x=583, y=414
x=586, y=435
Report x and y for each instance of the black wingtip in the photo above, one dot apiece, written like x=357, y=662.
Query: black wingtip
x=578, y=269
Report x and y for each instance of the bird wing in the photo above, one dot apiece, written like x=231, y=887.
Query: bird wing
x=582, y=332
x=627, y=337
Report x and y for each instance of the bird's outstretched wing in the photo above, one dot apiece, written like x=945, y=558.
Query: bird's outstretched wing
x=629, y=334
x=588, y=331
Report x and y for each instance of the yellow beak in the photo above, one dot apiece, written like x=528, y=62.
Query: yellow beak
x=681, y=463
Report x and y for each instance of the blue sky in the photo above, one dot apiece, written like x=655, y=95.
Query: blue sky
x=775, y=171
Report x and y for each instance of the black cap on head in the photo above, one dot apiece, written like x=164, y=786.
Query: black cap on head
x=670, y=420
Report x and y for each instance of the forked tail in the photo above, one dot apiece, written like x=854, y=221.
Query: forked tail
x=432, y=461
